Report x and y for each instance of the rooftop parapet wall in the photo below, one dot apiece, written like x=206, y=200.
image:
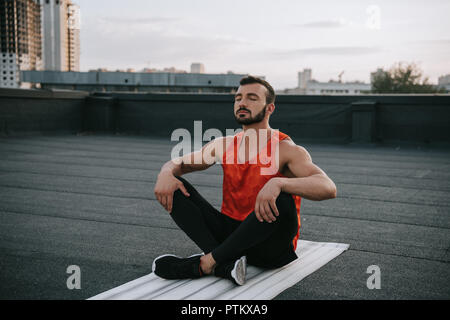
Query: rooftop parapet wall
x=25, y=112
x=421, y=119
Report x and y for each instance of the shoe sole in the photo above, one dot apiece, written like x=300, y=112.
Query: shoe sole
x=240, y=271
x=169, y=255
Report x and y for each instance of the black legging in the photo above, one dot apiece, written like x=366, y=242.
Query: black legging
x=267, y=245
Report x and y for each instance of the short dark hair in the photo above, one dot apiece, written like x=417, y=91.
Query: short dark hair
x=270, y=95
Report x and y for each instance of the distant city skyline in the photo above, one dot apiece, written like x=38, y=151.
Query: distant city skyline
x=264, y=38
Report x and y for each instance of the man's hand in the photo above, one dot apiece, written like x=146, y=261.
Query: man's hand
x=265, y=205
x=165, y=186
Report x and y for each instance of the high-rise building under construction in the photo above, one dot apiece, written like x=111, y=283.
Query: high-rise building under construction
x=20, y=39
x=61, y=35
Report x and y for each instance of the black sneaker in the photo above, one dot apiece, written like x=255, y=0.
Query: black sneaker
x=169, y=266
x=233, y=270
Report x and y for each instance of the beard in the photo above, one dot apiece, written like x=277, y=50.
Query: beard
x=250, y=120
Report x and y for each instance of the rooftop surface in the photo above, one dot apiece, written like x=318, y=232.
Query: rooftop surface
x=88, y=201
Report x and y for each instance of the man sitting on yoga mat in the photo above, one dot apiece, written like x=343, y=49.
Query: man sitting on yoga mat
x=264, y=179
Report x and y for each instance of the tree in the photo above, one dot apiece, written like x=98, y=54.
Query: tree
x=403, y=79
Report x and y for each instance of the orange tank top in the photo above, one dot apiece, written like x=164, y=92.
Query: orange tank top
x=242, y=181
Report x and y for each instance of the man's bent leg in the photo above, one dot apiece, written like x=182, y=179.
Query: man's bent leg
x=265, y=244
x=198, y=219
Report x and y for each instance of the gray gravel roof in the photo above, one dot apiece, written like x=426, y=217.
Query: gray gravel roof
x=88, y=201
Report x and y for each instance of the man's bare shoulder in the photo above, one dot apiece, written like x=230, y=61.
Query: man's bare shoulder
x=221, y=144
x=289, y=149
x=225, y=140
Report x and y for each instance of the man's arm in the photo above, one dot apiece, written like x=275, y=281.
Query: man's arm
x=167, y=183
x=194, y=161
x=306, y=180
x=309, y=181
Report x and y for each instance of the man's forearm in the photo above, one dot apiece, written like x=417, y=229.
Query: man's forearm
x=173, y=167
x=316, y=187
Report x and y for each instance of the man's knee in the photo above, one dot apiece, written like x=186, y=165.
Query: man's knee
x=186, y=183
x=285, y=200
x=179, y=205
x=286, y=206
x=178, y=195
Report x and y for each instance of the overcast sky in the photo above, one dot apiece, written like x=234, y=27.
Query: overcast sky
x=267, y=37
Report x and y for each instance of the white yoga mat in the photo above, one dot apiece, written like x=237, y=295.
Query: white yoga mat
x=260, y=285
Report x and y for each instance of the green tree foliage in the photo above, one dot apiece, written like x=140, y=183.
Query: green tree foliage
x=403, y=78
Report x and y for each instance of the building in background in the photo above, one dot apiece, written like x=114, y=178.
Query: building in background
x=197, y=68
x=104, y=81
x=303, y=78
x=20, y=41
x=307, y=85
x=61, y=35
x=337, y=87
x=444, y=82
x=378, y=73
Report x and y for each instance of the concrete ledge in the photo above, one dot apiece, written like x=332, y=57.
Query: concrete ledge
x=41, y=94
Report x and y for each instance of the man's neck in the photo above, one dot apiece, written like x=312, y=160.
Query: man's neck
x=262, y=130
x=263, y=125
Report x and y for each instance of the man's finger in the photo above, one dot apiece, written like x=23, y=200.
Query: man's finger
x=269, y=213
x=166, y=203
x=263, y=212
x=169, y=203
x=273, y=205
x=258, y=212
x=160, y=200
x=184, y=190
x=163, y=201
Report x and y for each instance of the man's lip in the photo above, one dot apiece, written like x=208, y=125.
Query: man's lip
x=242, y=111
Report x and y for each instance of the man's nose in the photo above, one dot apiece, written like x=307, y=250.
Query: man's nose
x=242, y=103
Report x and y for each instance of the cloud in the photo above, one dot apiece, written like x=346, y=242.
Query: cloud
x=325, y=24
x=140, y=21
x=331, y=51
x=430, y=41
x=107, y=44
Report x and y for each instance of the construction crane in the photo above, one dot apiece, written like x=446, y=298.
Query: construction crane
x=340, y=76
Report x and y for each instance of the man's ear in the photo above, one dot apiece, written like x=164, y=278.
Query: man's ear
x=270, y=108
